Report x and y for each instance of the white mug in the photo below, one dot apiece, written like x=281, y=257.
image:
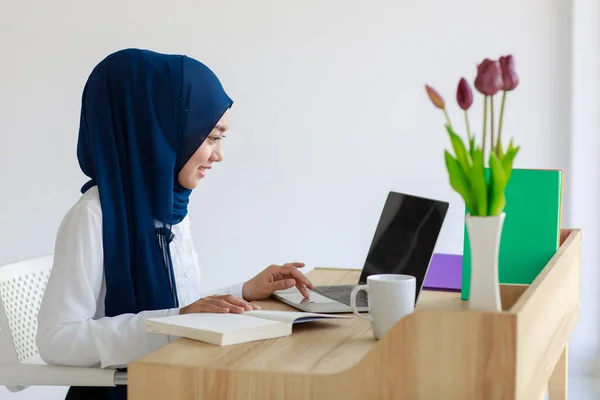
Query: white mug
x=391, y=297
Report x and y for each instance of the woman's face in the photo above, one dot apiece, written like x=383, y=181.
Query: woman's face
x=209, y=152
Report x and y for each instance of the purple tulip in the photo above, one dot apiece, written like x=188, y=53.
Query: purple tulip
x=435, y=97
x=509, y=74
x=464, y=95
x=489, y=77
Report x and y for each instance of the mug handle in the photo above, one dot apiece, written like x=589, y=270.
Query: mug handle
x=353, y=301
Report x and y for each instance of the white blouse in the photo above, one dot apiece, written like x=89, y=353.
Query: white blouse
x=72, y=327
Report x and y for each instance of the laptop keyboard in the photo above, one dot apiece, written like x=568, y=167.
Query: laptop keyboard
x=342, y=293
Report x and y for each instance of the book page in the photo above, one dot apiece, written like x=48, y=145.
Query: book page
x=221, y=323
x=292, y=316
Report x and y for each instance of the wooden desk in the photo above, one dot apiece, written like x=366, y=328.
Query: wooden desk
x=441, y=351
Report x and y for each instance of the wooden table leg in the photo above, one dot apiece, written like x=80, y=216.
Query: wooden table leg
x=557, y=385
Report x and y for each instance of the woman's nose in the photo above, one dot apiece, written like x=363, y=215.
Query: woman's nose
x=217, y=154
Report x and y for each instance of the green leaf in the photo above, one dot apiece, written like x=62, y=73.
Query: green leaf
x=477, y=180
x=500, y=151
x=508, y=159
x=460, y=150
x=498, y=183
x=459, y=181
x=472, y=148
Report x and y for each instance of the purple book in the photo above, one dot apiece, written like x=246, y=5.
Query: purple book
x=445, y=272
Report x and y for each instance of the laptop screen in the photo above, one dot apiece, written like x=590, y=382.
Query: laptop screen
x=405, y=237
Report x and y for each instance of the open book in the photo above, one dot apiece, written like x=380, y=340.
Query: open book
x=226, y=329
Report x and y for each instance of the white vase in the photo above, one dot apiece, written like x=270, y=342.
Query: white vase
x=484, y=240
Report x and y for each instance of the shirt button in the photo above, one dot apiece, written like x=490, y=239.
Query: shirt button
x=187, y=274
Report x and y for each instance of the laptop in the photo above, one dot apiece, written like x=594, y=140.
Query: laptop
x=403, y=243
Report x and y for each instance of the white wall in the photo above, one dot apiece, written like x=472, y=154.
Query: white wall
x=330, y=114
x=584, y=185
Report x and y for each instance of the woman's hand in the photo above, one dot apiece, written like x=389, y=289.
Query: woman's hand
x=276, y=277
x=219, y=304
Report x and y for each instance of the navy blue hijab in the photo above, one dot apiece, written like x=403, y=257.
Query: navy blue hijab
x=143, y=115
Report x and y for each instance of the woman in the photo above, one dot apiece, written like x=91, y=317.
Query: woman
x=151, y=128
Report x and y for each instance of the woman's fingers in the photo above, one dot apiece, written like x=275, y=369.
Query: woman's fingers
x=298, y=276
x=232, y=307
x=237, y=301
x=206, y=307
x=233, y=303
x=219, y=304
x=294, y=264
x=290, y=270
x=303, y=290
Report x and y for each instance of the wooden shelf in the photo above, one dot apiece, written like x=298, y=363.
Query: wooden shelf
x=441, y=351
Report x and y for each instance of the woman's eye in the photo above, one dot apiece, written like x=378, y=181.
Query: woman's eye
x=214, y=139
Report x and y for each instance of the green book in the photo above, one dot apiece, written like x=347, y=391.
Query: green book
x=531, y=230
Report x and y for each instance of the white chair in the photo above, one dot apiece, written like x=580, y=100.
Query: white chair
x=22, y=286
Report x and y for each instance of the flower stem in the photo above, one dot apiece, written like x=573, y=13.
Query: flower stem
x=484, y=126
x=501, y=118
x=468, y=127
x=447, y=118
x=492, y=125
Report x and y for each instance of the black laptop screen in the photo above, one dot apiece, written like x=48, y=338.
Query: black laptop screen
x=405, y=237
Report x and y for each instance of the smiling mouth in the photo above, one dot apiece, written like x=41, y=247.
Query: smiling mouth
x=202, y=171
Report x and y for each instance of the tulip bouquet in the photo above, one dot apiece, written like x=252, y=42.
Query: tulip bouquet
x=466, y=168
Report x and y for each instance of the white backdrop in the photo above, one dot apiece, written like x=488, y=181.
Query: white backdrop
x=330, y=114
